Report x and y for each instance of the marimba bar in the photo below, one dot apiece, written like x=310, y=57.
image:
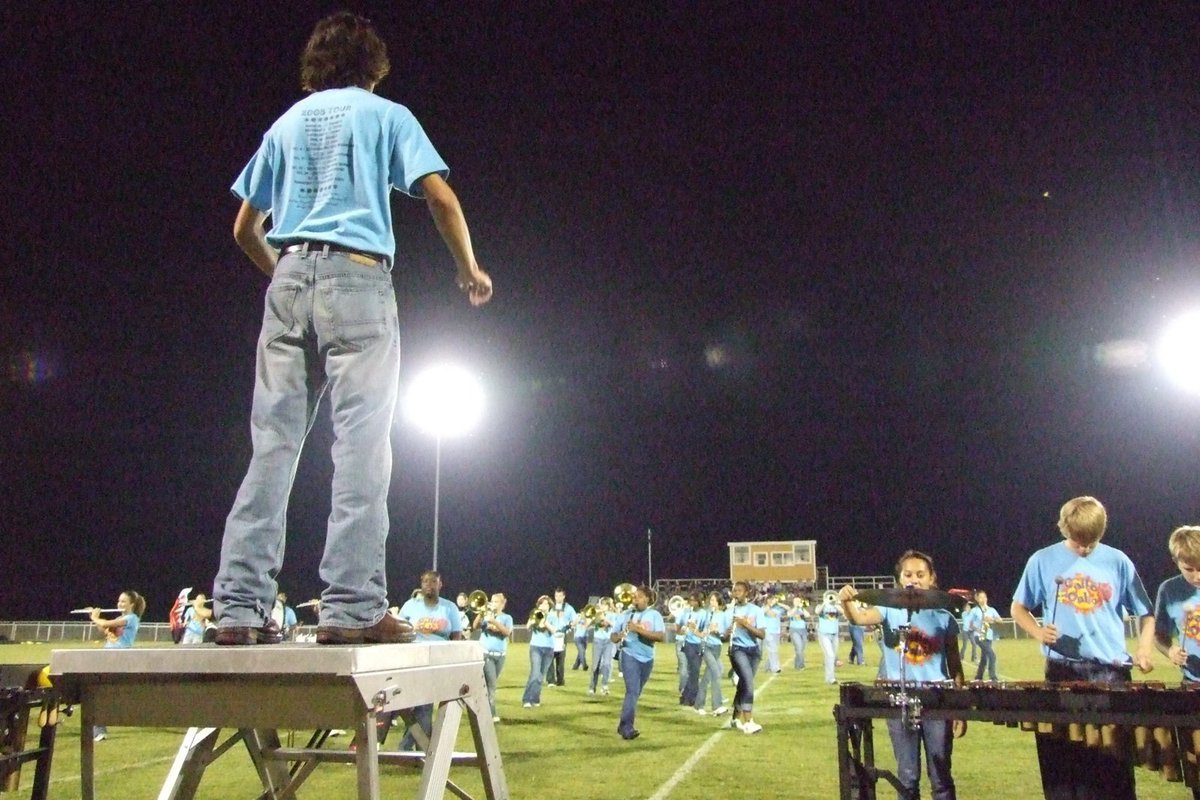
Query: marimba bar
x=1146, y=723
x=259, y=690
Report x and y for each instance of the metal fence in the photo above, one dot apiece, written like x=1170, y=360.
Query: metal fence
x=54, y=631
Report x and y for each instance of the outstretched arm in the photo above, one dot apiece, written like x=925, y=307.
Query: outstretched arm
x=452, y=225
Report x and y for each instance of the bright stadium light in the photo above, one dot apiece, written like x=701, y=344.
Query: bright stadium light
x=1179, y=351
x=443, y=401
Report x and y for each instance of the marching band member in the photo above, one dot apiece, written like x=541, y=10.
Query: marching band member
x=983, y=620
x=798, y=630
x=640, y=629
x=680, y=618
x=541, y=652
x=580, y=628
x=710, y=679
x=1177, y=609
x=119, y=633
x=1083, y=588
x=969, y=638
x=562, y=615
x=197, y=618
x=434, y=619
x=607, y=621
x=930, y=657
x=495, y=627
x=746, y=623
x=696, y=621
x=829, y=615
x=773, y=629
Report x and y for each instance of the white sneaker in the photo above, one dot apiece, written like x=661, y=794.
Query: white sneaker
x=337, y=732
x=99, y=737
x=591, y=691
x=751, y=727
x=495, y=719
x=719, y=710
x=528, y=705
x=735, y=723
x=701, y=712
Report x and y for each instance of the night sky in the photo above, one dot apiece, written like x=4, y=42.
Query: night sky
x=762, y=271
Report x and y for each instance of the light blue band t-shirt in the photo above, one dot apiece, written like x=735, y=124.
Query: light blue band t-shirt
x=1177, y=613
x=432, y=624
x=927, y=636
x=635, y=646
x=326, y=168
x=1085, y=597
x=492, y=641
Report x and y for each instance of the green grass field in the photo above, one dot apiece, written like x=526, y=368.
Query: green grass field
x=569, y=746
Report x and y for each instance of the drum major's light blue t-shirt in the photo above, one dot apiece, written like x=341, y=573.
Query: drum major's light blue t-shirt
x=326, y=167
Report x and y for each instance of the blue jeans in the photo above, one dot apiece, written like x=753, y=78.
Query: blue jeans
x=745, y=664
x=602, y=652
x=692, y=653
x=423, y=716
x=636, y=674
x=492, y=667
x=987, y=660
x=970, y=641
x=711, y=677
x=580, y=653
x=539, y=661
x=799, y=640
x=858, y=652
x=906, y=744
x=329, y=327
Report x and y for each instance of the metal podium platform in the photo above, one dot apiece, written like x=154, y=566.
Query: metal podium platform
x=259, y=690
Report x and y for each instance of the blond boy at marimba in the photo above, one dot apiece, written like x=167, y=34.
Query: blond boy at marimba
x=1177, y=608
x=1084, y=588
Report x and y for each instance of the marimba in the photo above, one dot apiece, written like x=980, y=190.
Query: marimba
x=20, y=695
x=1148, y=723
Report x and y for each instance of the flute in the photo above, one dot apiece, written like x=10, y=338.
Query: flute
x=90, y=610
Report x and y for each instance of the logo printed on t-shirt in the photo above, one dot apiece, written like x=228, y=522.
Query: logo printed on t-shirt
x=1191, y=623
x=1083, y=594
x=432, y=626
x=921, y=646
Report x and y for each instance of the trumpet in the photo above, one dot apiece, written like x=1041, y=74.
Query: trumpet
x=478, y=601
x=623, y=593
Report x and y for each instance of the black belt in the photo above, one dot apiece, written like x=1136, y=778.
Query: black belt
x=309, y=247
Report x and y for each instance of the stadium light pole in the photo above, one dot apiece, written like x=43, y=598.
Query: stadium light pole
x=443, y=401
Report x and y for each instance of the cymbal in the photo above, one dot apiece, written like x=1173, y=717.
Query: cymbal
x=909, y=597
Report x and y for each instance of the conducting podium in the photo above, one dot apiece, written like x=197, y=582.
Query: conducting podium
x=254, y=692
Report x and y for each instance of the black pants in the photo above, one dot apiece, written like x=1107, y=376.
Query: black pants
x=1074, y=771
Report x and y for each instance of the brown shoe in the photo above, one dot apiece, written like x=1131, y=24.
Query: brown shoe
x=269, y=633
x=388, y=630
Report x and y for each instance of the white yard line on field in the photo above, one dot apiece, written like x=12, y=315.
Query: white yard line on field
x=686, y=768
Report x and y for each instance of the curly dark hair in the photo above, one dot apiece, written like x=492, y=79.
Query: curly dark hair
x=344, y=50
